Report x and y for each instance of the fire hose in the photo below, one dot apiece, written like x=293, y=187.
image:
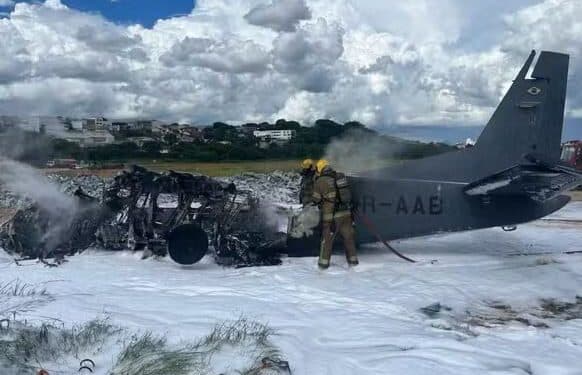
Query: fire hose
x=372, y=228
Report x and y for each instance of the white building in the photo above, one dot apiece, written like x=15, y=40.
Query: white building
x=275, y=135
x=90, y=138
x=77, y=125
x=97, y=123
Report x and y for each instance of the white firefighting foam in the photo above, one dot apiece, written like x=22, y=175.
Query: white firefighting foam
x=353, y=321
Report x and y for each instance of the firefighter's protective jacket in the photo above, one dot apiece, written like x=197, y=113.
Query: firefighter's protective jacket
x=307, y=185
x=326, y=195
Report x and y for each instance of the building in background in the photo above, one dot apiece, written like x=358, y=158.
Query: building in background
x=77, y=125
x=141, y=125
x=119, y=126
x=95, y=124
x=90, y=138
x=274, y=135
x=268, y=137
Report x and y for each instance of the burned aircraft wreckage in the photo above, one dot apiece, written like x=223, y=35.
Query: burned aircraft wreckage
x=181, y=215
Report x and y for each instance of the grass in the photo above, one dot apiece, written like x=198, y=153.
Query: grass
x=26, y=348
x=237, y=332
x=246, y=339
x=242, y=346
x=150, y=355
x=17, y=288
x=17, y=297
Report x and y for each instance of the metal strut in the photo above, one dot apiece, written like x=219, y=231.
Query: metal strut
x=372, y=228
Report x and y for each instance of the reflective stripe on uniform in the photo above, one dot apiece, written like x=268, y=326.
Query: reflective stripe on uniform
x=330, y=195
x=337, y=215
x=353, y=259
x=323, y=256
x=328, y=217
x=342, y=214
x=317, y=196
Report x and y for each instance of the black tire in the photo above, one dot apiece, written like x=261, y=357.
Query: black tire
x=187, y=244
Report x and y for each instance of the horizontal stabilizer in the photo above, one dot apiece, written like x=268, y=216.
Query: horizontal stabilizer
x=539, y=181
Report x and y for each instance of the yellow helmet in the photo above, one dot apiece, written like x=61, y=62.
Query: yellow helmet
x=307, y=164
x=321, y=165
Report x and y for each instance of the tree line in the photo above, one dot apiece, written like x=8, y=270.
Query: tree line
x=220, y=142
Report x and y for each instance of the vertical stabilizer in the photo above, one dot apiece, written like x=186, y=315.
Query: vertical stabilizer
x=530, y=117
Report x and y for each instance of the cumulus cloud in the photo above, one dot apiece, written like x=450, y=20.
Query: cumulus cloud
x=554, y=25
x=15, y=62
x=419, y=21
x=90, y=66
x=231, y=56
x=309, y=55
x=382, y=63
x=279, y=15
x=102, y=38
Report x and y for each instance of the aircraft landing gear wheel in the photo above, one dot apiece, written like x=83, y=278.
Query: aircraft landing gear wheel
x=187, y=244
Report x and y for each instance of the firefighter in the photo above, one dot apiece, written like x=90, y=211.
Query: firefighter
x=307, y=181
x=332, y=194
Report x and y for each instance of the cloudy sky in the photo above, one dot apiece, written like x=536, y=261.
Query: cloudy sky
x=394, y=65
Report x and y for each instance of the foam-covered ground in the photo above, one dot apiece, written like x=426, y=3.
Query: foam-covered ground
x=365, y=320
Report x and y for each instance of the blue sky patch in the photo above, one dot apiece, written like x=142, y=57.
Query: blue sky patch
x=144, y=12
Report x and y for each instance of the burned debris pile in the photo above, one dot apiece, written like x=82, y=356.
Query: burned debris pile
x=281, y=187
x=90, y=184
x=181, y=215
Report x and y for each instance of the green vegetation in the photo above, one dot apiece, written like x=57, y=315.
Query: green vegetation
x=17, y=297
x=25, y=348
x=245, y=343
x=149, y=355
x=240, y=346
x=219, y=142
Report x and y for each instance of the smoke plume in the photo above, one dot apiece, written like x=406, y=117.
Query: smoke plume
x=17, y=143
x=27, y=182
x=305, y=222
x=274, y=221
x=359, y=151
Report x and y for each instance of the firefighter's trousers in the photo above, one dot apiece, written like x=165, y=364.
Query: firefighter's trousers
x=341, y=225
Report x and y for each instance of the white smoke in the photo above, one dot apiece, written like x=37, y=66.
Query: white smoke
x=355, y=152
x=305, y=222
x=27, y=182
x=275, y=220
x=359, y=151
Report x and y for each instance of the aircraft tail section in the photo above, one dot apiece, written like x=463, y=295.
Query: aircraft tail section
x=530, y=117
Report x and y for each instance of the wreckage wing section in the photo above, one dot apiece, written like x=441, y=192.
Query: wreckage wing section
x=539, y=181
